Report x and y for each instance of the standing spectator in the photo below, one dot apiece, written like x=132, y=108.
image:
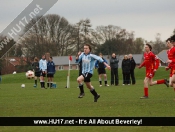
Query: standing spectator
x=88, y=61
x=43, y=70
x=50, y=72
x=114, y=69
x=151, y=63
x=133, y=65
x=126, y=65
x=35, y=66
x=101, y=70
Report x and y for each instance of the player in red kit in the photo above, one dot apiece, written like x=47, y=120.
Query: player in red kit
x=151, y=62
x=171, y=60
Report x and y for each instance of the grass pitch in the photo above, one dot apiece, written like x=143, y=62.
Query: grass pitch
x=115, y=101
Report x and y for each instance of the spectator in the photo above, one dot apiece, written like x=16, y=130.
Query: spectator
x=126, y=70
x=43, y=70
x=35, y=67
x=133, y=65
x=114, y=69
x=50, y=72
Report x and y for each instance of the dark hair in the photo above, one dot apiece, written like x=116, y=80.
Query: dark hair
x=50, y=57
x=150, y=47
x=88, y=46
x=172, y=38
x=169, y=39
x=36, y=59
x=100, y=54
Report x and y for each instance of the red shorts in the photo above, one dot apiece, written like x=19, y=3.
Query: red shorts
x=172, y=71
x=150, y=73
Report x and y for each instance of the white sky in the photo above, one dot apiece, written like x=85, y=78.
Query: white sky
x=145, y=17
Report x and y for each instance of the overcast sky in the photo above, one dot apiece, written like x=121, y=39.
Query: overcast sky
x=145, y=17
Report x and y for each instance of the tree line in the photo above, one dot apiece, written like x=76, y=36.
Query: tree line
x=56, y=35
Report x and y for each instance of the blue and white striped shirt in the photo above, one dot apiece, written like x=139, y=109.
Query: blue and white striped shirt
x=88, y=62
x=43, y=65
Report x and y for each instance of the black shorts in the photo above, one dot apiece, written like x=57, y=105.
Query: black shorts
x=50, y=75
x=87, y=77
x=101, y=71
x=37, y=74
x=43, y=73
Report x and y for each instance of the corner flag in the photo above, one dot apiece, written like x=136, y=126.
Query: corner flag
x=70, y=58
x=68, y=75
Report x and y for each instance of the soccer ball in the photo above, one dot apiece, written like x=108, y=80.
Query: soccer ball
x=22, y=85
x=30, y=74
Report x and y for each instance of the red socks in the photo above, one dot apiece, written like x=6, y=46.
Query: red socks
x=160, y=81
x=146, y=91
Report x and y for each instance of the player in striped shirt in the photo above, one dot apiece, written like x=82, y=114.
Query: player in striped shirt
x=88, y=61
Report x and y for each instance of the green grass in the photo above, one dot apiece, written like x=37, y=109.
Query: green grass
x=120, y=101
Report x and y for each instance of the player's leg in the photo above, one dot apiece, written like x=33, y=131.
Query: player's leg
x=112, y=76
x=105, y=79
x=146, y=80
x=161, y=81
x=41, y=80
x=173, y=81
x=35, y=84
x=80, y=80
x=92, y=90
x=51, y=80
x=48, y=80
x=100, y=79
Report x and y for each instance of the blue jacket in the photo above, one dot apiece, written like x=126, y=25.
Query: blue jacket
x=99, y=64
x=50, y=67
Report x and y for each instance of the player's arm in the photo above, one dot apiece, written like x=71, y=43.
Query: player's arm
x=100, y=60
x=141, y=65
x=78, y=59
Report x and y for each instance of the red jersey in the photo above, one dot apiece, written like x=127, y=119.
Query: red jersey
x=171, y=56
x=151, y=61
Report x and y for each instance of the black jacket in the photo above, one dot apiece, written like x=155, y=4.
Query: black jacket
x=114, y=62
x=126, y=65
x=133, y=63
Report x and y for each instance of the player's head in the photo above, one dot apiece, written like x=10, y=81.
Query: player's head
x=50, y=58
x=125, y=57
x=35, y=59
x=43, y=57
x=87, y=48
x=130, y=56
x=113, y=55
x=101, y=55
x=148, y=47
x=169, y=43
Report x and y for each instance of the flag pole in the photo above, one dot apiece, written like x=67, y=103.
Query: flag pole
x=68, y=75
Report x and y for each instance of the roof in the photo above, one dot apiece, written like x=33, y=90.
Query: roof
x=16, y=60
x=64, y=60
x=163, y=56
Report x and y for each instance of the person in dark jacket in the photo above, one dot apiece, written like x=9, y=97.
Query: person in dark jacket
x=101, y=70
x=133, y=65
x=126, y=70
x=114, y=69
x=36, y=70
x=50, y=72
